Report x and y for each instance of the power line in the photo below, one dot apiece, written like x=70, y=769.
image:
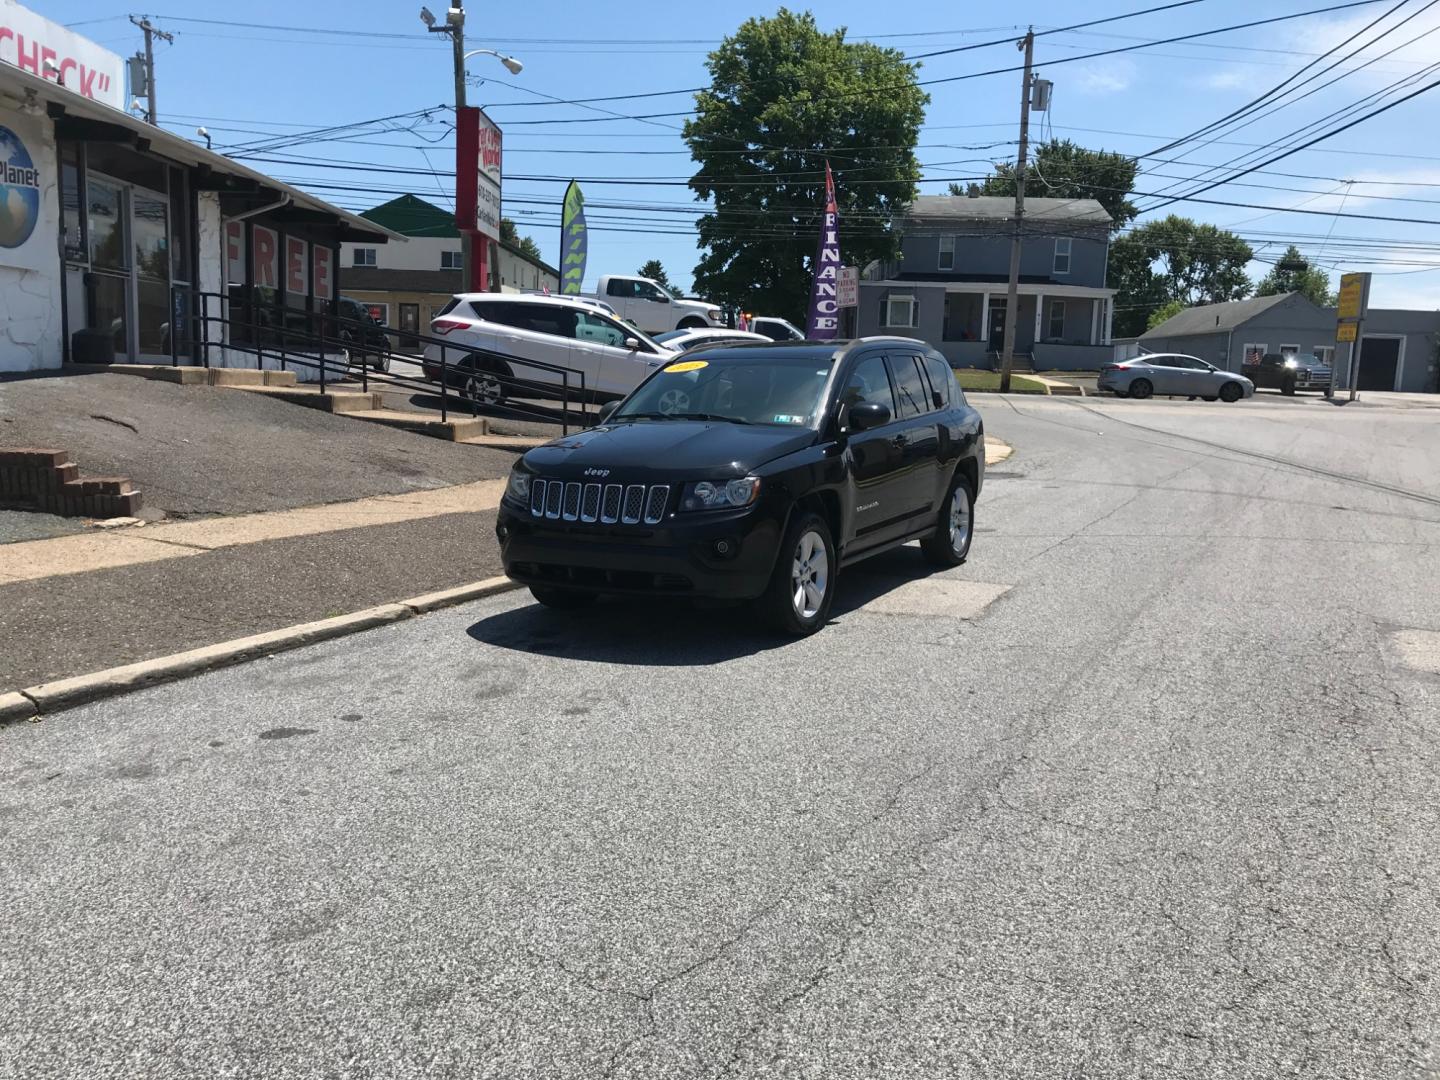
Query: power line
x=1399, y=83
x=1256, y=102
x=1294, y=149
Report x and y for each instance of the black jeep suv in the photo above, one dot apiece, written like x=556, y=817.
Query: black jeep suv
x=752, y=472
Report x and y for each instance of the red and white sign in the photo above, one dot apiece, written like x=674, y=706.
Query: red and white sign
x=49, y=51
x=321, y=259
x=297, y=266
x=265, y=247
x=479, y=165
x=847, y=288
x=234, y=253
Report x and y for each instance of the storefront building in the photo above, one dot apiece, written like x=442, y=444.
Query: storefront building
x=404, y=287
x=121, y=242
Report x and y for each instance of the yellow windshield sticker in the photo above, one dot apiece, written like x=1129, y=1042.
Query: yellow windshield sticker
x=687, y=365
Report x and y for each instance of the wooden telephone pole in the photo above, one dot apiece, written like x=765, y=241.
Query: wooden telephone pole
x=1012, y=295
x=151, y=33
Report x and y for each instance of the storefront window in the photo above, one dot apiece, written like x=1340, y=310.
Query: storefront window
x=153, y=324
x=105, y=204
x=71, y=202
x=107, y=309
x=151, y=214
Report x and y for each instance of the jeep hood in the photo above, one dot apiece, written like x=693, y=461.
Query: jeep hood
x=666, y=450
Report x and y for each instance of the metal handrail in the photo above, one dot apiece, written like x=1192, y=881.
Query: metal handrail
x=309, y=348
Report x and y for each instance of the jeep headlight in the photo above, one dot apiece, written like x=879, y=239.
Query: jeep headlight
x=720, y=494
x=519, y=487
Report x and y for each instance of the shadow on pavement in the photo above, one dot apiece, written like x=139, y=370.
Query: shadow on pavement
x=677, y=632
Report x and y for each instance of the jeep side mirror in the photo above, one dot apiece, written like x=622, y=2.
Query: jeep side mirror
x=632, y=343
x=606, y=411
x=865, y=415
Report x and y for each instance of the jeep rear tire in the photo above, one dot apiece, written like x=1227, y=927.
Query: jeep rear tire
x=954, y=526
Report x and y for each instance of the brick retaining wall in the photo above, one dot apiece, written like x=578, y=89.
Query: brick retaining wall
x=49, y=481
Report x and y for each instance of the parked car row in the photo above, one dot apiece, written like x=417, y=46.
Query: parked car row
x=557, y=340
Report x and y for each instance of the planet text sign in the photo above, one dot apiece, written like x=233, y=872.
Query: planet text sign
x=48, y=51
x=479, y=167
x=21, y=180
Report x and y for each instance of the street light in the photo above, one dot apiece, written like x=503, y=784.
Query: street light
x=427, y=17
x=511, y=64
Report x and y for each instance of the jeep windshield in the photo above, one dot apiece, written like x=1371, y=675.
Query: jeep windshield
x=744, y=389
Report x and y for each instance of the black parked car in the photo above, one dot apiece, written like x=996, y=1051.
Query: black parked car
x=1287, y=372
x=752, y=472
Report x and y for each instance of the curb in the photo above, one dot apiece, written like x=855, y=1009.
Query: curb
x=35, y=701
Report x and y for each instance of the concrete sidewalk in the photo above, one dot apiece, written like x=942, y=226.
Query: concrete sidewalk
x=76, y=604
x=87, y=552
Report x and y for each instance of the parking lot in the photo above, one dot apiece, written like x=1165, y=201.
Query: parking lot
x=1146, y=788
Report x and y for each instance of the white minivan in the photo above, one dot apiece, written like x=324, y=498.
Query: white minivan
x=491, y=336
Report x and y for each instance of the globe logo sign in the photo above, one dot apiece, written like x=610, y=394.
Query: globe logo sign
x=19, y=191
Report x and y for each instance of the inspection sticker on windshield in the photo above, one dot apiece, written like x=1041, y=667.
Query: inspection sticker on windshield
x=783, y=418
x=687, y=365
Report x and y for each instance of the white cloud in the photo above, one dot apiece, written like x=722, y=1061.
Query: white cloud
x=1406, y=291
x=1232, y=78
x=1319, y=36
x=1106, y=77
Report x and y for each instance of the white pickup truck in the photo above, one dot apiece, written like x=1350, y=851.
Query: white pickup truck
x=653, y=308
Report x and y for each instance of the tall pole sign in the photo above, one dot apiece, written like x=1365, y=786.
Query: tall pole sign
x=1349, y=325
x=479, y=167
x=823, y=321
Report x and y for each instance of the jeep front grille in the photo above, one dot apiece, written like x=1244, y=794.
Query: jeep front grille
x=608, y=504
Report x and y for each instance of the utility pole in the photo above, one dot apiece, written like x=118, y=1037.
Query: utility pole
x=454, y=25
x=150, y=34
x=1012, y=295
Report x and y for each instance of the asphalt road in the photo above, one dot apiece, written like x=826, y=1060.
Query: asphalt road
x=1165, y=808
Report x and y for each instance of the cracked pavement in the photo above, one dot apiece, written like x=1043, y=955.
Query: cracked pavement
x=1166, y=808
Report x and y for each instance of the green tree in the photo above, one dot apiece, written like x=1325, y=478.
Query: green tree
x=784, y=98
x=509, y=234
x=1174, y=259
x=1062, y=170
x=655, y=272
x=1165, y=311
x=1293, y=274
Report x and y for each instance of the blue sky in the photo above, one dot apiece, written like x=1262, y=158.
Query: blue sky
x=247, y=84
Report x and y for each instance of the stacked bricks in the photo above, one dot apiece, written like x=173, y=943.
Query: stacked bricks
x=49, y=481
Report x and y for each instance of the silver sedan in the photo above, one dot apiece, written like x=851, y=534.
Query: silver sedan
x=1175, y=375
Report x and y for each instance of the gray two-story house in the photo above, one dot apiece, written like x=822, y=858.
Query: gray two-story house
x=949, y=285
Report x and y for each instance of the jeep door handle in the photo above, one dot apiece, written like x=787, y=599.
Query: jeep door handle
x=899, y=441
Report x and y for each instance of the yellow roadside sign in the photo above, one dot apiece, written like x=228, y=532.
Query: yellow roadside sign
x=1352, y=298
x=1345, y=331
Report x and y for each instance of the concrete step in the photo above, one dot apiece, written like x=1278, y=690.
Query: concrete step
x=156, y=372
x=464, y=429
x=517, y=443
x=335, y=401
x=250, y=377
